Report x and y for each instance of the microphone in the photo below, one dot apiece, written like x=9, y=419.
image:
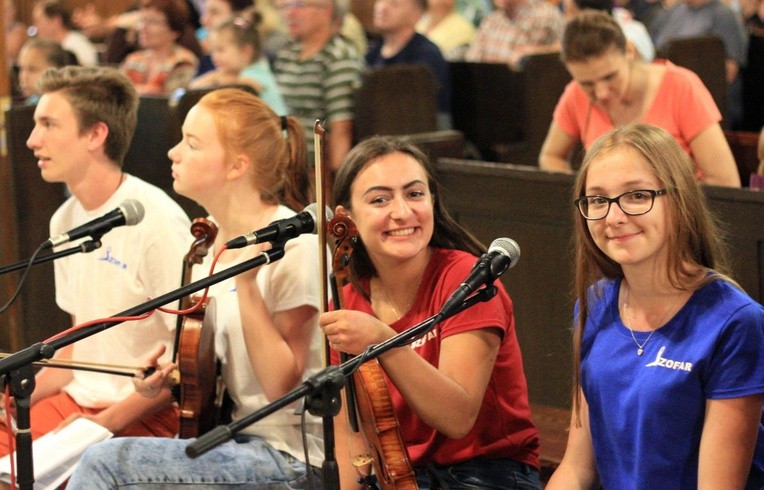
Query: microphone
x=283, y=229
x=129, y=213
x=501, y=255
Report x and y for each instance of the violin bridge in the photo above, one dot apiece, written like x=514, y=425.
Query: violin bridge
x=361, y=460
x=174, y=378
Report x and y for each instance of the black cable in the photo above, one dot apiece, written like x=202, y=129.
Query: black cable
x=21, y=281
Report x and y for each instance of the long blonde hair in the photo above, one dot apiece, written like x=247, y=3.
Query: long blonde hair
x=694, y=242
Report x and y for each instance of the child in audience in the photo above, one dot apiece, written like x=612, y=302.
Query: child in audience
x=236, y=52
x=36, y=56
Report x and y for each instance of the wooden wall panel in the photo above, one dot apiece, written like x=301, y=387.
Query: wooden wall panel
x=30, y=202
x=535, y=208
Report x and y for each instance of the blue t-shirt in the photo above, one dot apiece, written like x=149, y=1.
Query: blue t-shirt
x=260, y=71
x=418, y=50
x=646, y=412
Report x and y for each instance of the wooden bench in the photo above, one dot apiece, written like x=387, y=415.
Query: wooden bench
x=535, y=208
x=552, y=424
x=439, y=144
x=156, y=132
x=395, y=100
x=706, y=56
x=26, y=207
x=506, y=113
x=744, y=146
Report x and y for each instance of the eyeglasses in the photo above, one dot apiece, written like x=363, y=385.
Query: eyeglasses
x=297, y=4
x=633, y=203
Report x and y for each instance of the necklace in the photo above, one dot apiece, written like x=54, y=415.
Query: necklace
x=391, y=304
x=627, y=322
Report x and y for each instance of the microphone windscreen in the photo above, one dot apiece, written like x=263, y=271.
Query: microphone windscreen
x=133, y=211
x=312, y=210
x=508, y=247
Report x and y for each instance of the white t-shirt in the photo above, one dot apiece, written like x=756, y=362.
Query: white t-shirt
x=636, y=33
x=83, y=49
x=134, y=264
x=285, y=284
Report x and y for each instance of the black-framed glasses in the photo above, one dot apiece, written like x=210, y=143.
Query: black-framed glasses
x=633, y=203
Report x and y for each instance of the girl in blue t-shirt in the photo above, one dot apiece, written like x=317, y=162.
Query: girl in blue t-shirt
x=669, y=350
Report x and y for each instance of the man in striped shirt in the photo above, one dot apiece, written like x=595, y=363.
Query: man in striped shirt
x=318, y=72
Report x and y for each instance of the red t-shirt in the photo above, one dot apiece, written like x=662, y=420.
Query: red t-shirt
x=503, y=428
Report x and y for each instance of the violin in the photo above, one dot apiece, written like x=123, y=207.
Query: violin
x=194, y=348
x=376, y=413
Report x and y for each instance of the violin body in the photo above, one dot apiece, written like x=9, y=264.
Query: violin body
x=199, y=371
x=381, y=429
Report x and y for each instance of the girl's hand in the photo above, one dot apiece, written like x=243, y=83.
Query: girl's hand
x=353, y=331
x=162, y=377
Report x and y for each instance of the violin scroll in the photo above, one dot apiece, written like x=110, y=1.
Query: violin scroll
x=343, y=229
x=204, y=232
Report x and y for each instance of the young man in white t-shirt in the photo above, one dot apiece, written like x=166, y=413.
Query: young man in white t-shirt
x=83, y=125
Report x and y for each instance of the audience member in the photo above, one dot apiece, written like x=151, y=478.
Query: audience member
x=36, y=56
x=612, y=88
x=318, y=72
x=162, y=65
x=661, y=332
x=99, y=28
x=84, y=122
x=517, y=28
x=53, y=21
x=215, y=12
x=395, y=21
x=447, y=28
x=236, y=52
x=120, y=32
x=635, y=31
x=409, y=258
x=645, y=11
x=692, y=18
x=474, y=10
x=15, y=32
x=753, y=72
x=244, y=164
x=352, y=30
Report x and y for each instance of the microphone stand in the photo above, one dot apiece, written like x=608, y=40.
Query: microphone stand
x=322, y=390
x=16, y=370
x=84, y=247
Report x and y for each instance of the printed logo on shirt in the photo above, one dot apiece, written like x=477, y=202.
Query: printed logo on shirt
x=113, y=260
x=661, y=361
x=432, y=334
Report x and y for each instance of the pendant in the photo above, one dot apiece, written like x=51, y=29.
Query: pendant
x=640, y=350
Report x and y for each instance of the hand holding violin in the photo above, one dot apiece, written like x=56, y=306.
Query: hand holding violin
x=353, y=331
x=163, y=377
